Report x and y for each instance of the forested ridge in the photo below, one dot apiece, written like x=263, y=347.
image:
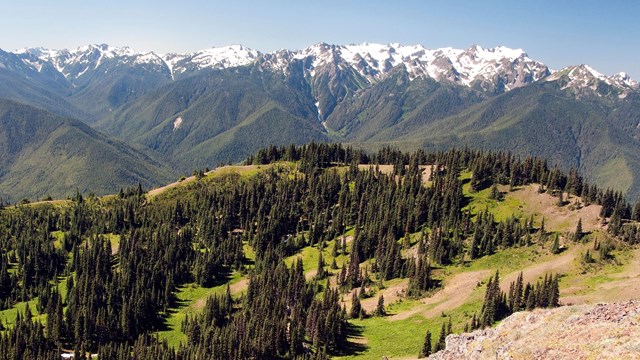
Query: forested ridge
x=105, y=271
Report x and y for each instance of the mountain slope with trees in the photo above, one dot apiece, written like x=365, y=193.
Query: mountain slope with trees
x=47, y=155
x=91, y=264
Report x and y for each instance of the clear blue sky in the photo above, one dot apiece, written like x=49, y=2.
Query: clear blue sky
x=604, y=34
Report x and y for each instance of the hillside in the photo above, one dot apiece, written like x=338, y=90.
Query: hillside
x=47, y=155
x=540, y=120
x=218, y=117
x=337, y=253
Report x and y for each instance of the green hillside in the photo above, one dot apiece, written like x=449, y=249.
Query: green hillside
x=595, y=136
x=47, y=155
x=217, y=117
x=331, y=252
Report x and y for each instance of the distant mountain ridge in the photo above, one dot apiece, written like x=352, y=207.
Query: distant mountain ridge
x=331, y=70
x=512, y=67
x=221, y=104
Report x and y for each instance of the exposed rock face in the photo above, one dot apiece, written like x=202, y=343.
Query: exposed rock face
x=603, y=331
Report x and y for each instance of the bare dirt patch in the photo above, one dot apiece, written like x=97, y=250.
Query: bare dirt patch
x=558, y=218
x=388, y=169
x=199, y=304
x=426, y=173
x=385, y=169
x=239, y=287
x=391, y=294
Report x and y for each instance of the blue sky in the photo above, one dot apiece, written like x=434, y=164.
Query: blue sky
x=604, y=34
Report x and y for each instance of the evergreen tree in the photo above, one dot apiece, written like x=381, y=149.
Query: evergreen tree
x=356, y=307
x=440, y=345
x=426, y=346
x=555, y=248
x=321, y=273
x=380, y=310
x=578, y=234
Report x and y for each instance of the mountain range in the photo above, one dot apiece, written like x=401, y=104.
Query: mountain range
x=182, y=112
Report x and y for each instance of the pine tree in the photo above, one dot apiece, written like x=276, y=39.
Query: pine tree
x=555, y=248
x=560, y=198
x=356, y=307
x=554, y=292
x=380, y=310
x=495, y=193
x=577, y=236
x=440, y=345
x=426, y=346
x=321, y=274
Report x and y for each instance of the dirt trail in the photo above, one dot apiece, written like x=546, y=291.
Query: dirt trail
x=624, y=287
x=558, y=264
x=162, y=189
x=235, y=289
x=454, y=294
x=51, y=202
x=458, y=288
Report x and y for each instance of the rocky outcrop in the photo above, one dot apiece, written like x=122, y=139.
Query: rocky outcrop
x=603, y=331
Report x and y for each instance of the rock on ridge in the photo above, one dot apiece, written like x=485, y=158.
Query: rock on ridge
x=603, y=331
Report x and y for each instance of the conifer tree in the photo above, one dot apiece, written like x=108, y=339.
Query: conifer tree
x=321, y=273
x=356, y=307
x=577, y=235
x=380, y=310
x=440, y=345
x=426, y=346
x=555, y=248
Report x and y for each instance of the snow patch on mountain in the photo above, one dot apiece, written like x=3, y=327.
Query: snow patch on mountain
x=177, y=123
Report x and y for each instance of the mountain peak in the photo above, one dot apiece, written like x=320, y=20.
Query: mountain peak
x=211, y=58
x=584, y=80
x=624, y=79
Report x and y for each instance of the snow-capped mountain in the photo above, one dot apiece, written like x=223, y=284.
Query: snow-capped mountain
x=486, y=69
x=584, y=80
x=492, y=70
x=76, y=63
x=214, y=58
x=108, y=77
x=73, y=64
